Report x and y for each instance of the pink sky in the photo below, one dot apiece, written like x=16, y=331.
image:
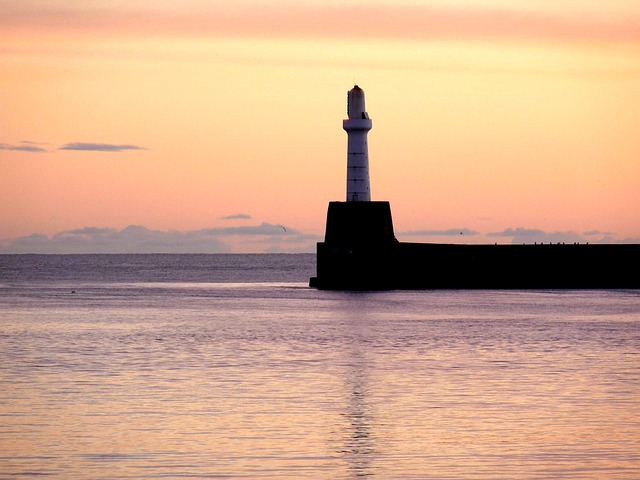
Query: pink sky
x=217, y=127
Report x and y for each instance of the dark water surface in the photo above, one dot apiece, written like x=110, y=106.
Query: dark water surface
x=229, y=366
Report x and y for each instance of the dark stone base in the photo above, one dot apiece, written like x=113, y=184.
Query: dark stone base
x=358, y=251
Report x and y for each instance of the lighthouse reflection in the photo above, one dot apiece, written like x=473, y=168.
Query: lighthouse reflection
x=357, y=437
x=359, y=447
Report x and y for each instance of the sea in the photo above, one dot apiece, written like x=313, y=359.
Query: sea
x=232, y=367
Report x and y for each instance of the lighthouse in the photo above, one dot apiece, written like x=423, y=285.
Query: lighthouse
x=357, y=126
x=359, y=248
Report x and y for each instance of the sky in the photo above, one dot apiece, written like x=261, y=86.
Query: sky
x=213, y=126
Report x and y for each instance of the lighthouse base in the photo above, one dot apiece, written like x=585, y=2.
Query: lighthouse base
x=359, y=248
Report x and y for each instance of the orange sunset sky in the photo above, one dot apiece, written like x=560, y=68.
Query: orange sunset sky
x=216, y=126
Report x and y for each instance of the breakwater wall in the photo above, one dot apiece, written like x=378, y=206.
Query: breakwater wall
x=360, y=252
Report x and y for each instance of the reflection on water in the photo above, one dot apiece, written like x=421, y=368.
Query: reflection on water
x=278, y=381
x=359, y=441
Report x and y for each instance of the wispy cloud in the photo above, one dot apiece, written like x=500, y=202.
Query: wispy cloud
x=139, y=239
x=439, y=233
x=598, y=236
x=265, y=237
x=36, y=147
x=598, y=233
x=133, y=239
x=238, y=216
x=527, y=235
x=516, y=235
x=99, y=147
x=262, y=229
x=23, y=147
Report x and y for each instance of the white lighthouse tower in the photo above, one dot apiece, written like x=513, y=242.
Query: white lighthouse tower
x=357, y=127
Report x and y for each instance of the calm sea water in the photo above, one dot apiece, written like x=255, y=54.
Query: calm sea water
x=229, y=366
